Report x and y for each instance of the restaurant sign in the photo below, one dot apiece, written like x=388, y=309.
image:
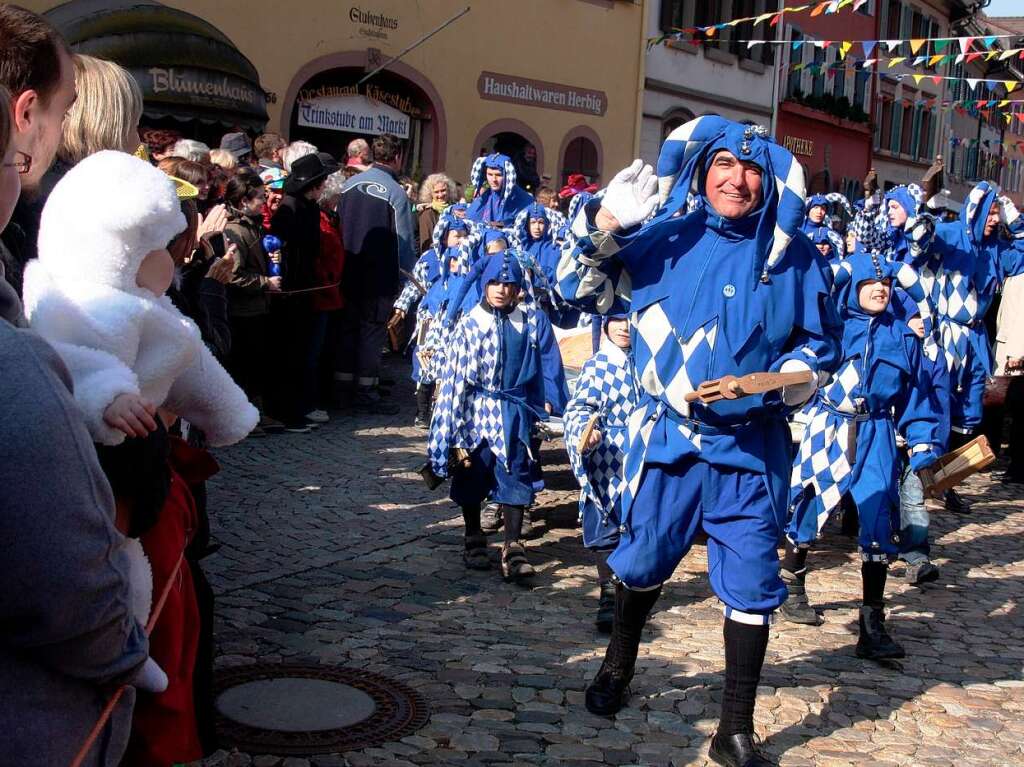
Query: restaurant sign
x=353, y=114
x=539, y=93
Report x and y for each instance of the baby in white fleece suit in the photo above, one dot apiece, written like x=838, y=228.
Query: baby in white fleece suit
x=96, y=293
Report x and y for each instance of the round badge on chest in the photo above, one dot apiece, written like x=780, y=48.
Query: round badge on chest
x=729, y=291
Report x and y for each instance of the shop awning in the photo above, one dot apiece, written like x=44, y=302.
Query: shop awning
x=187, y=68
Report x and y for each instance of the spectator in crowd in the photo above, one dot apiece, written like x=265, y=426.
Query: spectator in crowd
x=358, y=155
x=239, y=145
x=222, y=158
x=190, y=149
x=105, y=114
x=297, y=224
x=1008, y=352
x=436, y=193
x=37, y=70
x=379, y=243
x=547, y=197
x=293, y=152
x=160, y=142
x=526, y=168
x=273, y=182
x=198, y=175
x=248, y=293
x=268, y=148
x=327, y=301
x=67, y=639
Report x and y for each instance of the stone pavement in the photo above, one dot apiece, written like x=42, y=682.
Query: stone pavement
x=335, y=552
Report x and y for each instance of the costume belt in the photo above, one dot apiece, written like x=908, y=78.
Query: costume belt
x=860, y=415
x=513, y=399
x=712, y=430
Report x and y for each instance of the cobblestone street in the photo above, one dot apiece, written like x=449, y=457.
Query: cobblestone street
x=333, y=551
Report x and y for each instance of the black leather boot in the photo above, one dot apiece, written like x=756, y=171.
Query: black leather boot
x=737, y=750
x=607, y=693
x=956, y=503
x=424, y=405
x=796, y=608
x=606, y=608
x=874, y=642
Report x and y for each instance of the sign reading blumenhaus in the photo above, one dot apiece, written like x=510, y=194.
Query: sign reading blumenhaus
x=538, y=93
x=353, y=114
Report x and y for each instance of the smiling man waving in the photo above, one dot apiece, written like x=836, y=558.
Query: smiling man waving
x=729, y=288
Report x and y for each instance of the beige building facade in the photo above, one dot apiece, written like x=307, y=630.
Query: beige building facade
x=562, y=76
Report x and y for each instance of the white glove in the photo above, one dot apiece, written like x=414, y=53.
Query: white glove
x=797, y=394
x=632, y=195
x=1008, y=211
x=150, y=677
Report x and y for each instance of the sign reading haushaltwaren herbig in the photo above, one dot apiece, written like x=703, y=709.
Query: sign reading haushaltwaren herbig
x=540, y=93
x=353, y=114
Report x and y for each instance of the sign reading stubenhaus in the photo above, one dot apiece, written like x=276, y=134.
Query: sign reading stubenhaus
x=375, y=25
x=538, y=93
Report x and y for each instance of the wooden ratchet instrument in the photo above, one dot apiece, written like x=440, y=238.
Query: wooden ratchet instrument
x=734, y=387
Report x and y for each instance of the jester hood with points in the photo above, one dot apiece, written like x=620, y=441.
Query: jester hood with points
x=501, y=206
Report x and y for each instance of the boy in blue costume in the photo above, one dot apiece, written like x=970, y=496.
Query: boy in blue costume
x=819, y=208
x=827, y=242
x=534, y=232
x=501, y=199
x=849, y=446
x=502, y=375
x=440, y=260
x=726, y=289
x=606, y=394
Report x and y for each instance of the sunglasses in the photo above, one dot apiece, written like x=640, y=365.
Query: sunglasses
x=23, y=163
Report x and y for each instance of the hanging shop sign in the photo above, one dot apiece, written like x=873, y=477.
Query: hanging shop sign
x=353, y=114
x=399, y=101
x=539, y=93
x=200, y=86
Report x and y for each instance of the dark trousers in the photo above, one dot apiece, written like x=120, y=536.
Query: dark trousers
x=249, y=347
x=363, y=334
x=292, y=334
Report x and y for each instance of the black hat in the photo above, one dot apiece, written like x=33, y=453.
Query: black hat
x=307, y=171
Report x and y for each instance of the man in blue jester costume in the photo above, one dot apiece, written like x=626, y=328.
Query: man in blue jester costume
x=849, y=445
x=502, y=374
x=972, y=259
x=599, y=409
x=501, y=199
x=729, y=288
x=437, y=262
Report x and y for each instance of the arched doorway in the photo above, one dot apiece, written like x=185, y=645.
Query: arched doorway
x=518, y=141
x=581, y=153
x=325, y=106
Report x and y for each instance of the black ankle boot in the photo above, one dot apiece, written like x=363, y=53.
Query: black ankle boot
x=874, y=642
x=796, y=608
x=736, y=750
x=607, y=693
x=956, y=503
x=606, y=608
x=424, y=405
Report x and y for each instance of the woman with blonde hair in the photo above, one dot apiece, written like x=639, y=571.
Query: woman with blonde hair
x=106, y=112
x=223, y=159
x=437, y=192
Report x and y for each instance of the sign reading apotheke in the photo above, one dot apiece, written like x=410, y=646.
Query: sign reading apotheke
x=353, y=114
x=539, y=93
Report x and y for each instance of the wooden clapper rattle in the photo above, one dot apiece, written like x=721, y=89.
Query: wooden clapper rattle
x=956, y=466
x=734, y=387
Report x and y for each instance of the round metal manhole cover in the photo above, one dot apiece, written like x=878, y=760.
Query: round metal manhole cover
x=309, y=709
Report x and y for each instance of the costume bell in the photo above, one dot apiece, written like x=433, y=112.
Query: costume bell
x=602, y=401
x=497, y=207
x=849, y=445
x=712, y=293
x=502, y=372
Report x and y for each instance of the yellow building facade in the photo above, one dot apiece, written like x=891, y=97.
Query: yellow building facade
x=561, y=75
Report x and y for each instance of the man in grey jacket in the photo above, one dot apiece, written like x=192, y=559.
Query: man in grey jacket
x=378, y=230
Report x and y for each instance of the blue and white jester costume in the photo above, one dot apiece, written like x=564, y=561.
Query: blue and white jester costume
x=709, y=296
x=970, y=269
x=495, y=385
x=499, y=207
x=544, y=254
x=828, y=203
x=849, y=445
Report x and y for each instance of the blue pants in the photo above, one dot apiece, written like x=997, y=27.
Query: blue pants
x=732, y=506
x=600, y=531
x=968, y=389
x=487, y=478
x=914, y=519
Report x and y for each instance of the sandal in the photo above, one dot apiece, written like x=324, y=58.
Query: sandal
x=514, y=566
x=475, y=555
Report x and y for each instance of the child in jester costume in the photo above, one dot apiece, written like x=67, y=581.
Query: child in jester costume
x=502, y=375
x=849, y=445
x=729, y=288
x=602, y=401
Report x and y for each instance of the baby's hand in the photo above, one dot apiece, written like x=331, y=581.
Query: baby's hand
x=131, y=414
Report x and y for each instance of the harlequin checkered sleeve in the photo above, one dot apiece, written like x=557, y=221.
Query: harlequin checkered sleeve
x=589, y=276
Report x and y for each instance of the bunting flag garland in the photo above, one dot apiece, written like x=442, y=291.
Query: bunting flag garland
x=865, y=65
